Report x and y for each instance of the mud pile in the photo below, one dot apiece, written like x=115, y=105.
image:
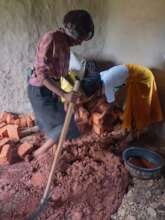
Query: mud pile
x=90, y=180
x=89, y=184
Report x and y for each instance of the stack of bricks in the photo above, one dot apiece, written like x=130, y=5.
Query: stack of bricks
x=10, y=134
x=101, y=118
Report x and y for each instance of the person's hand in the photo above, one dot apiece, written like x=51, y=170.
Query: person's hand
x=71, y=97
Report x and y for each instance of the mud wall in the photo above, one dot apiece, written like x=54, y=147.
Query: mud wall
x=126, y=31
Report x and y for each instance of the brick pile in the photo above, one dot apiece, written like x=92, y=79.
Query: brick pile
x=98, y=116
x=12, y=143
x=94, y=116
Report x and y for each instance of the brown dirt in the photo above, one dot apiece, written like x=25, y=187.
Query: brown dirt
x=89, y=184
x=140, y=162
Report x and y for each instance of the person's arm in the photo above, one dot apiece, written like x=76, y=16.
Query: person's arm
x=54, y=88
x=69, y=97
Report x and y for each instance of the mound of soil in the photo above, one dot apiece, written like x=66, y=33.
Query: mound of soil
x=89, y=184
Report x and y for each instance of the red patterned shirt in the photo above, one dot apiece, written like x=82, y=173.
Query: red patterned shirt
x=52, y=57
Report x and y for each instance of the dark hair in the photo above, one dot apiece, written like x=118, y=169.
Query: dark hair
x=79, y=22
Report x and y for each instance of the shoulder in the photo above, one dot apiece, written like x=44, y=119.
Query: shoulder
x=56, y=37
x=47, y=37
x=60, y=37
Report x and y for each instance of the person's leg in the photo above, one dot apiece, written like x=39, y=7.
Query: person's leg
x=45, y=147
x=53, y=134
x=53, y=138
x=48, y=116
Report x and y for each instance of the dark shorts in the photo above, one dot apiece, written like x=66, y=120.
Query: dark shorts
x=49, y=113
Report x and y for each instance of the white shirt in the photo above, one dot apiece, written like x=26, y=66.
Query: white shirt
x=77, y=64
x=113, y=77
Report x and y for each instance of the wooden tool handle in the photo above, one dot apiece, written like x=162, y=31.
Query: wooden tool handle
x=60, y=143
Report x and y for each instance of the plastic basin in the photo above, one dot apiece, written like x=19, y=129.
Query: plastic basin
x=142, y=154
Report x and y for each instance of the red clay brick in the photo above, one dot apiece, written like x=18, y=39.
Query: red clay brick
x=6, y=154
x=29, y=122
x=2, y=124
x=104, y=107
x=83, y=114
x=13, y=132
x=17, y=122
x=9, y=118
x=3, y=131
x=3, y=142
x=23, y=122
x=98, y=129
x=83, y=127
x=37, y=179
x=24, y=149
x=96, y=118
x=3, y=116
x=31, y=139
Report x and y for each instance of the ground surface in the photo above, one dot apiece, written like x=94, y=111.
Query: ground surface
x=145, y=199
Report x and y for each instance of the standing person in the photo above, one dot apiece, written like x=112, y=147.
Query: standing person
x=142, y=106
x=52, y=62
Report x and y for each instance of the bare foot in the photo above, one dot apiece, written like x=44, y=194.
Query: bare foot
x=44, y=148
x=39, y=153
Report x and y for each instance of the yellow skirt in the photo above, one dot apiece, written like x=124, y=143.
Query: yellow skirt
x=142, y=106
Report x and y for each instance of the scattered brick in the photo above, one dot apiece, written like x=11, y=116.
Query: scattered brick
x=6, y=154
x=31, y=139
x=101, y=106
x=98, y=129
x=104, y=107
x=13, y=132
x=3, y=116
x=3, y=132
x=29, y=122
x=83, y=126
x=83, y=114
x=24, y=149
x=3, y=142
x=97, y=118
x=2, y=124
x=37, y=179
x=17, y=122
x=9, y=118
x=23, y=122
